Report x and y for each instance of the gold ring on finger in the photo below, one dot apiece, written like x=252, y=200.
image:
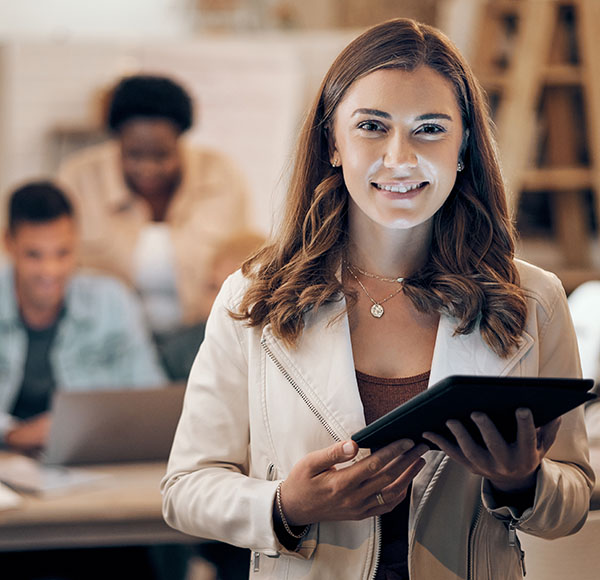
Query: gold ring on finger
x=380, y=499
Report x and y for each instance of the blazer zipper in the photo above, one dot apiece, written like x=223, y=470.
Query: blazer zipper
x=300, y=392
x=378, y=547
x=256, y=555
x=327, y=427
x=513, y=541
x=472, y=531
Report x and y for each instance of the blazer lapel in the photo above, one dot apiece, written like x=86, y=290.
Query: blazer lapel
x=470, y=355
x=322, y=365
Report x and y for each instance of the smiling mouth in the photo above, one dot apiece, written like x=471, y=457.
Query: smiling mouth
x=401, y=188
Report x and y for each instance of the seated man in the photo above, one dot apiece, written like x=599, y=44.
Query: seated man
x=59, y=328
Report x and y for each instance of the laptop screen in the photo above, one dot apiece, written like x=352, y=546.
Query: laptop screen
x=106, y=426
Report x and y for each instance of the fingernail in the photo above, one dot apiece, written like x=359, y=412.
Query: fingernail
x=348, y=448
x=522, y=413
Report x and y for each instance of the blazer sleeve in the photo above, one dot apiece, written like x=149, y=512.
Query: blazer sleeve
x=207, y=491
x=565, y=478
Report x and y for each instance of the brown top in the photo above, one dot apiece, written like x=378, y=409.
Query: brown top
x=379, y=396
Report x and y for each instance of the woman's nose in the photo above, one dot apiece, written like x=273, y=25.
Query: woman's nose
x=399, y=153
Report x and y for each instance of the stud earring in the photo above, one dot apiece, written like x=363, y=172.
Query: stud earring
x=334, y=163
x=460, y=165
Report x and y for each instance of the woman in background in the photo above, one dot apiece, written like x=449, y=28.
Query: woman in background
x=393, y=269
x=153, y=208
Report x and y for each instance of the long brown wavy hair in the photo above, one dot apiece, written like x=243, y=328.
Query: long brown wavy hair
x=470, y=274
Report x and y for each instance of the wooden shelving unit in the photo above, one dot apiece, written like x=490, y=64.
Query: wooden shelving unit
x=539, y=61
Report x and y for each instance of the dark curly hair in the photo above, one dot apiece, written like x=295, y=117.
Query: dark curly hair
x=149, y=96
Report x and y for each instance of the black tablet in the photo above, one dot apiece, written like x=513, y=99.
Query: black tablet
x=457, y=396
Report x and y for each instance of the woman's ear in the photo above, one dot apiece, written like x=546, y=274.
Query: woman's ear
x=334, y=156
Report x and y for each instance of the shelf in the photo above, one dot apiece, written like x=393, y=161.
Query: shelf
x=557, y=75
x=557, y=179
x=539, y=60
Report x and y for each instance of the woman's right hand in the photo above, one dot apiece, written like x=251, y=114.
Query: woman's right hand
x=315, y=491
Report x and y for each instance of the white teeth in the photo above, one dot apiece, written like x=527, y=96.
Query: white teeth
x=398, y=188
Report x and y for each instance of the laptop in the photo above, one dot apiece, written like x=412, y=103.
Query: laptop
x=108, y=426
x=97, y=427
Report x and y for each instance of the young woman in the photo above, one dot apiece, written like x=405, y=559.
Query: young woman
x=153, y=208
x=394, y=268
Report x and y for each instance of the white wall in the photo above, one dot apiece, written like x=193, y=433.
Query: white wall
x=64, y=19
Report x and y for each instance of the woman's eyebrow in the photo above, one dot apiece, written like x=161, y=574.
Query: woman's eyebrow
x=384, y=115
x=428, y=116
x=374, y=112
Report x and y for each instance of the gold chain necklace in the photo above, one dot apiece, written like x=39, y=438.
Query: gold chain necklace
x=398, y=280
x=376, y=309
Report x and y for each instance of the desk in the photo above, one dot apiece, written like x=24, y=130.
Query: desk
x=123, y=509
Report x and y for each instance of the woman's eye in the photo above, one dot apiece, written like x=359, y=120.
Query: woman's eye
x=431, y=129
x=370, y=126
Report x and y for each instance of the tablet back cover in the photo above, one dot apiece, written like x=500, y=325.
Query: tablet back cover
x=457, y=396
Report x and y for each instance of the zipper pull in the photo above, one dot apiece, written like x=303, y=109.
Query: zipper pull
x=512, y=534
x=513, y=541
x=256, y=561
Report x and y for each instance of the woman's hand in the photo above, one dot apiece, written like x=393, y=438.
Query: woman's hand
x=316, y=491
x=510, y=467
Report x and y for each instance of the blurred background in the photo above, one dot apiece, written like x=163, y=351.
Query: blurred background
x=253, y=66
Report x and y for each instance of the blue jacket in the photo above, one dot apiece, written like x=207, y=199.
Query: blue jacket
x=101, y=341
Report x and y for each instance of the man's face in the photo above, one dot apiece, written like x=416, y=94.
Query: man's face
x=44, y=258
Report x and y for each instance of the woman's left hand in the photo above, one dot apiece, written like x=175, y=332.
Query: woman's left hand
x=510, y=467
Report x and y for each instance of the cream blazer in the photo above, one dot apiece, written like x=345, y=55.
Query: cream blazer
x=254, y=407
x=209, y=205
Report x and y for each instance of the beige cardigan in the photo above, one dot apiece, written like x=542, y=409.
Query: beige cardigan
x=209, y=205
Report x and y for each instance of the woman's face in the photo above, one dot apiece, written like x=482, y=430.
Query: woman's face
x=150, y=156
x=397, y=135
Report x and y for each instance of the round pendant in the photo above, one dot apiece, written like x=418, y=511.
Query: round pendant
x=377, y=310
